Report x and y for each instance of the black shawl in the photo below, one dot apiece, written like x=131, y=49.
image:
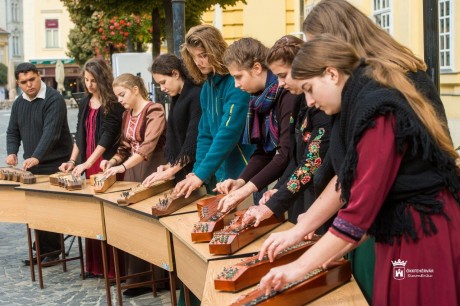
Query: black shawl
x=425, y=169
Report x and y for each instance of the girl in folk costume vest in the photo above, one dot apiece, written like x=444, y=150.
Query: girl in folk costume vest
x=140, y=151
x=397, y=177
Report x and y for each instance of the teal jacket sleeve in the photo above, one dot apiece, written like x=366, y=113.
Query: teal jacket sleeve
x=211, y=154
x=204, y=138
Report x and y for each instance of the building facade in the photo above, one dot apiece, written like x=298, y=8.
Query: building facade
x=11, y=21
x=402, y=19
x=46, y=29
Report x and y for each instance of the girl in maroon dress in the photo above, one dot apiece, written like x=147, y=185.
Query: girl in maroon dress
x=97, y=137
x=397, y=178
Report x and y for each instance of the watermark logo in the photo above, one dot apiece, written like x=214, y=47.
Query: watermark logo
x=399, y=269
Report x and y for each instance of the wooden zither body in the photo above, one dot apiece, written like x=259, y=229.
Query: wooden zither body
x=313, y=285
x=101, y=183
x=54, y=178
x=17, y=175
x=140, y=192
x=71, y=182
x=250, y=271
x=211, y=219
x=169, y=202
x=235, y=236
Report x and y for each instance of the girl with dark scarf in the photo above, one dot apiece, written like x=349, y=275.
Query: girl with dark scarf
x=183, y=118
x=397, y=178
x=342, y=20
x=294, y=192
x=269, y=124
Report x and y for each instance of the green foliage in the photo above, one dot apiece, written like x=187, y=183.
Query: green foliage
x=92, y=18
x=3, y=74
x=80, y=46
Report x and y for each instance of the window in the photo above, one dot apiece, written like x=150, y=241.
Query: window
x=445, y=34
x=14, y=12
x=382, y=14
x=52, y=33
x=16, y=46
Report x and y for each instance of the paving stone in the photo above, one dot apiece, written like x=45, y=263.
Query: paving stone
x=61, y=288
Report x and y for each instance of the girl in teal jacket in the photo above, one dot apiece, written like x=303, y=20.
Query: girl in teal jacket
x=219, y=154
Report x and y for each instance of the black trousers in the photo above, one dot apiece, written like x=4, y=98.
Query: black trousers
x=49, y=241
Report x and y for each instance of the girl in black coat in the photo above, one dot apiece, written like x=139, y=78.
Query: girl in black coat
x=184, y=116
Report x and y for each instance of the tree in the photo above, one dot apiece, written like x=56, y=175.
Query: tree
x=3, y=74
x=159, y=10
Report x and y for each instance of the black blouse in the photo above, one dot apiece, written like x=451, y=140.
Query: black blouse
x=182, y=130
x=108, y=128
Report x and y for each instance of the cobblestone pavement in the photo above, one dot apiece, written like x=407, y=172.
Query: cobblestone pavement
x=61, y=288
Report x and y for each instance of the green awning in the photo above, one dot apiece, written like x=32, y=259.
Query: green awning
x=51, y=61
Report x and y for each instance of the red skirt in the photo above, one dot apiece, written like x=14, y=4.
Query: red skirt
x=431, y=275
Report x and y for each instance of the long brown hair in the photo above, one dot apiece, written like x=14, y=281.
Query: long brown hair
x=129, y=81
x=343, y=20
x=245, y=52
x=102, y=73
x=328, y=51
x=284, y=49
x=165, y=64
x=212, y=42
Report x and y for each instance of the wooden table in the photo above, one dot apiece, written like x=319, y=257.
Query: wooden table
x=136, y=231
x=346, y=295
x=192, y=259
x=78, y=212
x=12, y=201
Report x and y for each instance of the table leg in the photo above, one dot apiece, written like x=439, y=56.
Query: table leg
x=106, y=272
x=187, y=296
x=64, y=262
x=39, y=260
x=172, y=286
x=117, y=276
x=31, y=257
x=82, y=264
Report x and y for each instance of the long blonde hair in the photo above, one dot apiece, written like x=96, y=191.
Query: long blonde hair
x=129, y=81
x=212, y=42
x=328, y=51
x=341, y=19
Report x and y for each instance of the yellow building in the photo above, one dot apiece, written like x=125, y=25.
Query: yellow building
x=268, y=20
x=4, y=46
x=46, y=29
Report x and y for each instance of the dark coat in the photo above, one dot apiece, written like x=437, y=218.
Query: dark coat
x=182, y=130
x=108, y=128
